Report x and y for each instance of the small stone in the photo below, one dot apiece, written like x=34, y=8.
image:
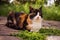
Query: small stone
x=53, y=38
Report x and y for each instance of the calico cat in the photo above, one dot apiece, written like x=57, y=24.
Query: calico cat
x=30, y=22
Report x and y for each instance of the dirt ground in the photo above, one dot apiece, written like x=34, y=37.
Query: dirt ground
x=6, y=31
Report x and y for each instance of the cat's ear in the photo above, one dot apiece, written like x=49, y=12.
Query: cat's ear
x=40, y=11
x=40, y=8
x=31, y=9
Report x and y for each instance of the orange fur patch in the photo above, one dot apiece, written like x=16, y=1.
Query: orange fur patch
x=22, y=19
x=29, y=21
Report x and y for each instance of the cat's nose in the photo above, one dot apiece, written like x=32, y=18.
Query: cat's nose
x=37, y=18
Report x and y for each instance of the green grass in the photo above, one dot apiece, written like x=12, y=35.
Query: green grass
x=50, y=32
x=41, y=35
x=30, y=35
x=3, y=9
x=49, y=13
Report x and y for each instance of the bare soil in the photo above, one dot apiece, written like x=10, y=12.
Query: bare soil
x=5, y=31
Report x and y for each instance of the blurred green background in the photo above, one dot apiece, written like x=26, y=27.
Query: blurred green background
x=49, y=12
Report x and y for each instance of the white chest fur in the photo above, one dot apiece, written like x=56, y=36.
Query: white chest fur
x=36, y=23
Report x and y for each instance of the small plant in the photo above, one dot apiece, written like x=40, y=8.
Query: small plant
x=30, y=35
x=50, y=31
x=51, y=13
x=41, y=35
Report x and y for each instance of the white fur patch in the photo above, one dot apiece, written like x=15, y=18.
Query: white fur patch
x=36, y=23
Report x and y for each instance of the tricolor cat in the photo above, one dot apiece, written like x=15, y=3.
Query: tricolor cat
x=31, y=21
